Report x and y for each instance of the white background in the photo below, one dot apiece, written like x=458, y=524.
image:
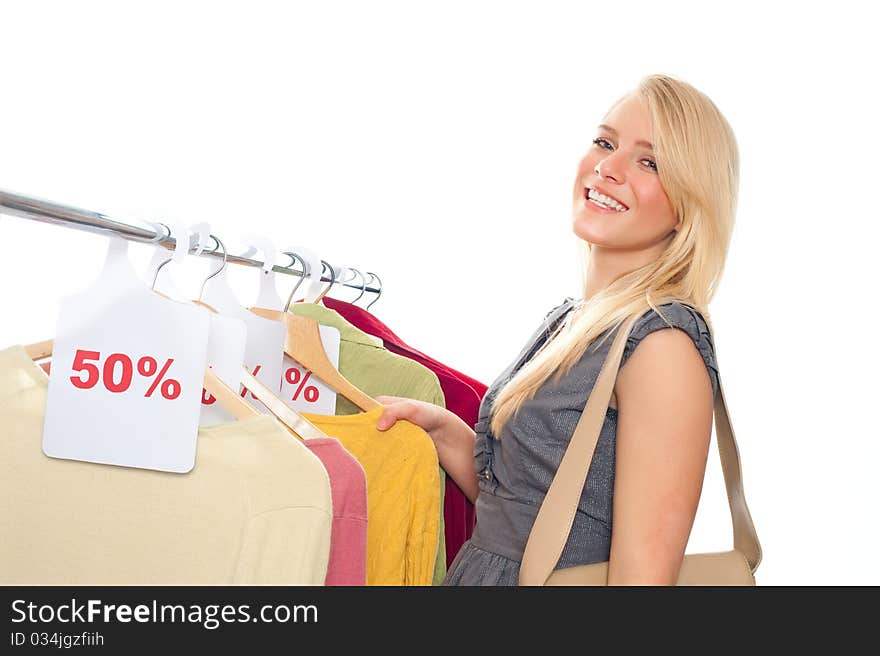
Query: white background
x=435, y=144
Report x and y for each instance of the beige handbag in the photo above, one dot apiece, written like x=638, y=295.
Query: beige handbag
x=556, y=515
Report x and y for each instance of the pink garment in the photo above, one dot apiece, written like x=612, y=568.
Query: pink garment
x=348, y=535
x=463, y=396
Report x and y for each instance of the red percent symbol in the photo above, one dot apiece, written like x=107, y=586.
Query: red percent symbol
x=147, y=367
x=311, y=392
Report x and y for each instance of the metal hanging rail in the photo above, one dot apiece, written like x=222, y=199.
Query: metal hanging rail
x=45, y=211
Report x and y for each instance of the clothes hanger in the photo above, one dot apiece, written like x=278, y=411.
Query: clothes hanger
x=228, y=398
x=43, y=350
x=40, y=350
x=373, y=275
x=295, y=423
x=298, y=425
x=326, y=265
x=302, y=342
x=363, y=287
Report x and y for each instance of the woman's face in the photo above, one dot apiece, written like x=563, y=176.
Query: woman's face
x=621, y=164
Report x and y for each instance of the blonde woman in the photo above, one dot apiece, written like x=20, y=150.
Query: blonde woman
x=654, y=205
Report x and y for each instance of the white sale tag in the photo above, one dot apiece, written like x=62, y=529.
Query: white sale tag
x=264, y=352
x=264, y=355
x=304, y=392
x=226, y=347
x=127, y=374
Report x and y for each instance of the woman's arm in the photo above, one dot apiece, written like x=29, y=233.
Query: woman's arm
x=455, y=451
x=664, y=427
x=452, y=437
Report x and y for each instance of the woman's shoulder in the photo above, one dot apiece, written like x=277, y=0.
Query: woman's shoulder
x=676, y=314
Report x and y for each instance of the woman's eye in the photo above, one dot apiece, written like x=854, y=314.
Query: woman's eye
x=598, y=139
x=652, y=162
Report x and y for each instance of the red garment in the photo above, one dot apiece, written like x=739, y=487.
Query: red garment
x=463, y=397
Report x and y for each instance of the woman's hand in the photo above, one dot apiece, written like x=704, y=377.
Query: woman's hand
x=429, y=417
x=452, y=437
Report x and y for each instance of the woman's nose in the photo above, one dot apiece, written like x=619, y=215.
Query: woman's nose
x=607, y=168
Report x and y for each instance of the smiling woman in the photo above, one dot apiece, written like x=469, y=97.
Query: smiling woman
x=653, y=204
x=620, y=171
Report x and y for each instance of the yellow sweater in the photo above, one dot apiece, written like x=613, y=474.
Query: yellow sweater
x=403, y=494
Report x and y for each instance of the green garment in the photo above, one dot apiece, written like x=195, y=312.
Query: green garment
x=376, y=371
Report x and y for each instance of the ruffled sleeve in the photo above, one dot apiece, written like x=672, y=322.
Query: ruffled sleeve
x=676, y=315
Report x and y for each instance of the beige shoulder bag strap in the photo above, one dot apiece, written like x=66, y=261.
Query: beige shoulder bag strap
x=556, y=515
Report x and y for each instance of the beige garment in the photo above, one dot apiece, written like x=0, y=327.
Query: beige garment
x=255, y=509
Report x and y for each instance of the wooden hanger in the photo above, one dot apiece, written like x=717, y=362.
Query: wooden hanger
x=293, y=421
x=296, y=424
x=40, y=350
x=302, y=342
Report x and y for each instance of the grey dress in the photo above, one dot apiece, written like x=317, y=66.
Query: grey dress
x=515, y=472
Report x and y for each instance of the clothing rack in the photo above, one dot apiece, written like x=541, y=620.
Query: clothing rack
x=45, y=211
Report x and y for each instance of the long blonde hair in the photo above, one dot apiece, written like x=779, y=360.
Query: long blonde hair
x=698, y=164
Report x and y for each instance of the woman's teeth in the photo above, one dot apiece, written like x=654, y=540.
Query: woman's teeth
x=603, y=201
